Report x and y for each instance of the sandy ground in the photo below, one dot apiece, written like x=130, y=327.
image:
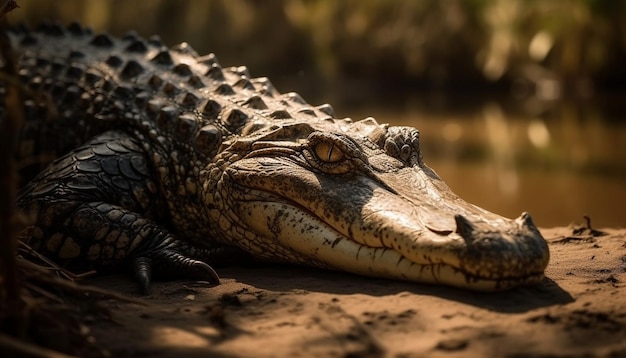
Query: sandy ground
x=281, y=311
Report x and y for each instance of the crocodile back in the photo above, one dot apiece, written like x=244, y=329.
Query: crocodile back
x=81, y=84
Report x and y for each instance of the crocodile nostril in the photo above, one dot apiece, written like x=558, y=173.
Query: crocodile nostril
x=527, y=221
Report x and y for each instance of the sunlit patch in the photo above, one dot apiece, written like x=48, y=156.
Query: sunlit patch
x=198, y=336
x=540, y=45
x=538, y=133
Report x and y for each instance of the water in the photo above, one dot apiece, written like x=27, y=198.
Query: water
x=558, y=163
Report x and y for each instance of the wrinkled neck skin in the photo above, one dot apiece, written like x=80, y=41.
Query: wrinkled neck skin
x=360, y=199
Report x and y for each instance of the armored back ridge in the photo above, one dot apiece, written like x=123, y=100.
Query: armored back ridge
x=161, y=159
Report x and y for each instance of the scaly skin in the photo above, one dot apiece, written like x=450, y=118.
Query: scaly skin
x=169, y=164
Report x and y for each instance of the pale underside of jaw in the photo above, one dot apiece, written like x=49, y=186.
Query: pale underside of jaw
x=306, y=234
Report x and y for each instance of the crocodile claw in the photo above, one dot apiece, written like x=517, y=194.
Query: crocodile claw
x=170, y=264
x=142, y=268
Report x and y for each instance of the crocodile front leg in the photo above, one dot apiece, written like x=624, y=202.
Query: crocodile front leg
x=98, y=208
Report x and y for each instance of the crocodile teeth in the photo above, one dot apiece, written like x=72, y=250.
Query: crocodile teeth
x=464, y=228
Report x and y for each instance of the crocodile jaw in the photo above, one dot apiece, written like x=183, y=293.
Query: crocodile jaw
x=405, y=224
x=325, y=245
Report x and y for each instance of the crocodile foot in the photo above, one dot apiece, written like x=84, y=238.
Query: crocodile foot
x=181, y=260
x=177, y=263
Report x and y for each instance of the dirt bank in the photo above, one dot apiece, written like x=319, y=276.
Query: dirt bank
x=579, y=310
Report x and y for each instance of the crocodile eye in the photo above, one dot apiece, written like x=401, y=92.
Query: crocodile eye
x=328, y=153
x=331, y=153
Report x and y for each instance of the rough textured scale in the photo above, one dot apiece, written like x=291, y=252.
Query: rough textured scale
x=161, y=160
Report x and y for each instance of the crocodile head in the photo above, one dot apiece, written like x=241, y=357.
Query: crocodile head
x=357, y=197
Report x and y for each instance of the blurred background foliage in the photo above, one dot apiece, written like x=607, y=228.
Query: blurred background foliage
x=443, y=44
x=520, y=102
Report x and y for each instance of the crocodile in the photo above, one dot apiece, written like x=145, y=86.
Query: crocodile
x=163, y=163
